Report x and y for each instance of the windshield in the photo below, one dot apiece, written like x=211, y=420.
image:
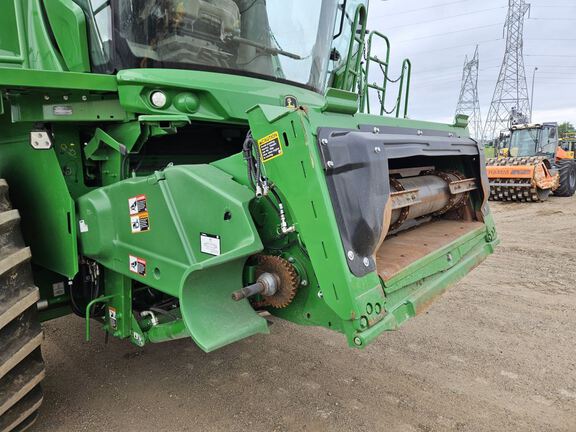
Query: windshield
x=523, y=142
x=274, y=39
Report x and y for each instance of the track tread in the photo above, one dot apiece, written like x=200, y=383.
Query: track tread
x=21, y=364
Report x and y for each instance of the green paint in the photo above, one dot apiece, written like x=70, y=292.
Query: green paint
x=110, y=144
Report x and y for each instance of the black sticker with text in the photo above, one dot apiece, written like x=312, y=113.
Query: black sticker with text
x=137, y=265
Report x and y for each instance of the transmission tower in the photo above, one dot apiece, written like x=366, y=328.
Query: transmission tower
x=468, y=102
x=511, y=89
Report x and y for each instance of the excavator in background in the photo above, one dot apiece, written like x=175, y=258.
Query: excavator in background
x=532, y=163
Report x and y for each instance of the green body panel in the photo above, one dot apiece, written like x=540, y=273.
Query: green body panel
x=69, y=26
x=109, y=144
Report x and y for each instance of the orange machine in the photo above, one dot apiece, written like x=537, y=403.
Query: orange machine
x=531, y=165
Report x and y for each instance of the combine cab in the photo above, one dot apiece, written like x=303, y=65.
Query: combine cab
x=531, y=165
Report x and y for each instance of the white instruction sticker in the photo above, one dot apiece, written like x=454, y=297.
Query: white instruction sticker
x=58, y=289
x=210, y=244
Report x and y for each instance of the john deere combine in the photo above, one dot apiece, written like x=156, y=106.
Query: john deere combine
x=178, y=168
x=531, y=165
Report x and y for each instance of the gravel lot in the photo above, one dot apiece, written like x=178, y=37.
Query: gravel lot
x=496, y=353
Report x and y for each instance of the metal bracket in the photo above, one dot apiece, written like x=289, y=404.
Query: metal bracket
x=40, y=140
x=405, y=198
x=461, y=186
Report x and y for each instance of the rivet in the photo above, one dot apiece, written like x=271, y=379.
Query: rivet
x=350, y=255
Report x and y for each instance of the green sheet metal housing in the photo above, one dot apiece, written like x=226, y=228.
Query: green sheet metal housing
x=74, y=196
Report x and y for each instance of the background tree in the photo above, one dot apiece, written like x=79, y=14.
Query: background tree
x=565, y=127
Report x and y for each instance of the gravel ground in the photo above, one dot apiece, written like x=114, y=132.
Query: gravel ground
x=496, y=353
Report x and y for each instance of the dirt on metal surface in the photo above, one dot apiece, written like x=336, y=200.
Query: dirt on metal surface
x=496, y=353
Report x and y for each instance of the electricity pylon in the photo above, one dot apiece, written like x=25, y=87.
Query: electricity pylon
x=468, y=102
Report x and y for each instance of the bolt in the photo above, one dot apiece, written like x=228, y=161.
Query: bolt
x=291, y=259
x=366, y=262
x=450, y=135
x=320, y=294
x=46, y=97
x=420, y=132
x=378, y=308
x=357, y=341
x=449, y=256
x=324, y=141
x=376, y=130
x=350, y=255
x=330, y=164
x=369, y=308
x=65, y=97
x=377, y=149
x=363, y=322
x=304, y=282
x=84, y=97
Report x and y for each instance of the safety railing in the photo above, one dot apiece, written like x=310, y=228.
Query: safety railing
x=365, y=86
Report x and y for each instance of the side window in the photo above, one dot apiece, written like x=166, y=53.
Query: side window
x=99, y=20
x=548, y=140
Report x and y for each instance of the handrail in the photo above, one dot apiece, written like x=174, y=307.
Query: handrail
x=353, y=74
x=364, y=87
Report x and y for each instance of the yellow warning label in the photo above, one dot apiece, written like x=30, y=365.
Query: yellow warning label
x=270, y=147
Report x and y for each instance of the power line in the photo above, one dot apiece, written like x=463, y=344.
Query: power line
x=424, y=8
x=448, y=33
x=448, y=17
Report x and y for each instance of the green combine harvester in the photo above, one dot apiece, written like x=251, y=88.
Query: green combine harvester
x=182, y=168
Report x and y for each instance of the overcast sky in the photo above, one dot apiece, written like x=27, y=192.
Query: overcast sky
x=437, y=35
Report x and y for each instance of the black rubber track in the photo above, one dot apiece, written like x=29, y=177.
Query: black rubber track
x=567, y=178
x=21, y=364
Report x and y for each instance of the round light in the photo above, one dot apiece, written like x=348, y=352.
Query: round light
x=158, y=99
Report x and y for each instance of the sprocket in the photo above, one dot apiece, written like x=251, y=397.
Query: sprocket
x=288, y=280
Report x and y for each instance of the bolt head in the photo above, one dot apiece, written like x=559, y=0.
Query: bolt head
x=449, y=257
x=377, y=308
x=324, y=141
x=304, y=282
x=357, y=341
x=376, y=130
x=330, y=164
x=420, y=132
x=377, y=149
x=350, y=255
x=84, y=98
x=366, y=262
x=320, y=294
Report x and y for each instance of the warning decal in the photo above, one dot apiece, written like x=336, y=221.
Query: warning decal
x=210, y=244
x=270, y=147
x=140, y=222
x=139, y=219
x=137, y=204
x=137, y=265
x=112, y=315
